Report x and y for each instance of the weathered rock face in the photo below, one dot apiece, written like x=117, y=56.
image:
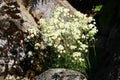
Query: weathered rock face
x=60, y=74
x=28, y=20
x=44, y=8
x=16, y=11
x=14, y=21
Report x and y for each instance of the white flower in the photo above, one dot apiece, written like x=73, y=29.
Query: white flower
x=32, y=35
x=80, y=59
x=86, y=50
x=67, y=25
x=61, y=51
x=94, y=22
x=85, y=27
x=50, y=44
x=79, y=42
x=53, y=21
x=60, y=47
x=80, y=49
x=84, y=46
x=90, y=19
x=76, y=54
x=76, y=19
x=91, y=26
x=42, y=21
x=32, y=31
x=59, y=56
x=70, y=15
x=59, y=9
x=63, y=31
x=76, y=36
x=78, y=14
x=66, y=10
x=83, y=36
x=28, y=37
x=30, y=53
x=73, y=47
x=93, y=31
x=56, y=14
x=64, y=51
x=61, y=25
x=37, y=44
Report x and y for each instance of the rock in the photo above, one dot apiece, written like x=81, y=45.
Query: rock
x=60, y=74
x=3, y=43
x=1, y=77
x=14, y=21
x=16, y=12
x=28, y=20
x=44, y=9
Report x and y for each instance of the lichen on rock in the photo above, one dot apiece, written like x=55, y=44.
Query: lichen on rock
x=60, y=74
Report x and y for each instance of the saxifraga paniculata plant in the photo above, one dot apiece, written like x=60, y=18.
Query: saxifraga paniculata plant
x=68, y=35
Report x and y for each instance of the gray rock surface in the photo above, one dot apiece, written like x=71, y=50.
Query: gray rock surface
x=14, y=21
x=42, y=9
x=60, y=74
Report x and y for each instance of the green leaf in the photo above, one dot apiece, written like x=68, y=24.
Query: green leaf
x=97, y=8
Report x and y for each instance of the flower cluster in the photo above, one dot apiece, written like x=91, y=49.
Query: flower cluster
x=68, y=33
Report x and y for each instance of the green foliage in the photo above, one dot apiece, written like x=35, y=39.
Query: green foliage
x=97, y=8
x=68, y=37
